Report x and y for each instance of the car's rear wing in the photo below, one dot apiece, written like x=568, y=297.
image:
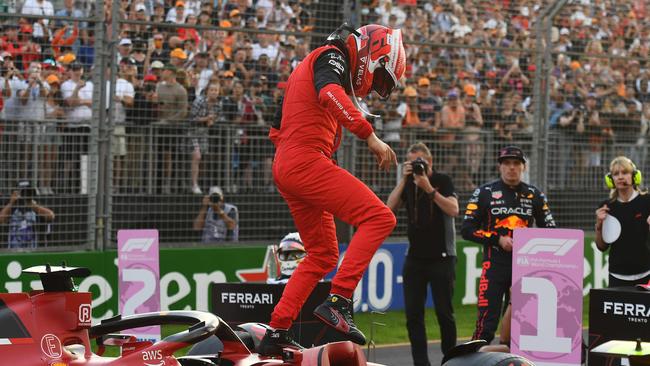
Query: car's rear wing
x=58, y=278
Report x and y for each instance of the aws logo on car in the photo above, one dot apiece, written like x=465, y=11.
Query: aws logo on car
x=153, y=356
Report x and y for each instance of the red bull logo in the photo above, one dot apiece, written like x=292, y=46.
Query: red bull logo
x=483, y=286
x=511, y=222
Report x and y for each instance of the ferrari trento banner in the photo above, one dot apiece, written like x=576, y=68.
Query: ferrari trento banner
x=139, y=277
x=547, y=272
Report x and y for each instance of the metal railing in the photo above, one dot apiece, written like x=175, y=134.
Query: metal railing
x=135, y=162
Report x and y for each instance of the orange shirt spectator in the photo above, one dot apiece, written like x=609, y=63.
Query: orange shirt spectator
x=59, y=39
x=411, y=118
x=453, y=114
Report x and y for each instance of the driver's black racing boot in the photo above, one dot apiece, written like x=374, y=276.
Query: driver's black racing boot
x=276, y=339
x=336, y=312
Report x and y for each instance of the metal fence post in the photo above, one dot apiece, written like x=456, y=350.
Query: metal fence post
x=97, y=142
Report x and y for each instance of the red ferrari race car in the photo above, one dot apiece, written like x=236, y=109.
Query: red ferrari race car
x=52, y=327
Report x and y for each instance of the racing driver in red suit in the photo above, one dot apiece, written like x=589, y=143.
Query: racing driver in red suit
x=316, y=106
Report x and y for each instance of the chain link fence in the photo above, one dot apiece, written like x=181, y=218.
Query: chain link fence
x=127, y=114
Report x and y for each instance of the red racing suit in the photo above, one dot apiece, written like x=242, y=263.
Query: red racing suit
x=315, y=107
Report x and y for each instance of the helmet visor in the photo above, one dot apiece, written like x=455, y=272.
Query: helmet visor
x=383, y=82
x=291, y=255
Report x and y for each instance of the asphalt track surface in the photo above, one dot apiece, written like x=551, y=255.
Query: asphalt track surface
x=400, y=354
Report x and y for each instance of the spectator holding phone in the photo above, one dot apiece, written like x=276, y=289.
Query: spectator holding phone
x=218, y=220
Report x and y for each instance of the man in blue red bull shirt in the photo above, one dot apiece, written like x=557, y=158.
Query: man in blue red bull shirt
x=493, y=212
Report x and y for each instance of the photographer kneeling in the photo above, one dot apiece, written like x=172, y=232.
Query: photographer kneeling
x=23, y=212
x=431, y=205
x=218, y=220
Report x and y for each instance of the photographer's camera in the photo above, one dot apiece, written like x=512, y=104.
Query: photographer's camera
x=215, y=198
x=419, y=166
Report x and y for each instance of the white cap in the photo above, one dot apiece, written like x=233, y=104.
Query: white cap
x=140, y=7
x=215, y=189
x=564, y=32
x=157, y=65
x=125, y=42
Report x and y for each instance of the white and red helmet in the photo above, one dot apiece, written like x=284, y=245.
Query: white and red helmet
x=290, y=253
x=377, y=59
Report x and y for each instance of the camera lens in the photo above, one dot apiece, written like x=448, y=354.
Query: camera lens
x=419, y=166
x=215, y=198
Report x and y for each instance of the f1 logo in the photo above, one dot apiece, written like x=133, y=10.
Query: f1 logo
x=51, y=346
x=141, y=244
x=85, y=314
x=558, y=247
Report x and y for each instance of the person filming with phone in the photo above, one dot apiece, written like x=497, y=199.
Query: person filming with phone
x=23, y=213
x=218, y=220
x=623, y=225
x=431, y=205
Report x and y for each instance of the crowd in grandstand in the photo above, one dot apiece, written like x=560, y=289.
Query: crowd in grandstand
x=186, y=67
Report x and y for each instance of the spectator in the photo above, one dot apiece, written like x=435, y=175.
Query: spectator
x=13, y=87
x=31, y=51
x=158, y=15
x=202, y=70
x=411, y=107
x=206, y=111
x=178, y=13
x=247, y=140
x=218, y=220
x=23, y=213
x=473, y=148
x=511, y=120
x=172, y=110
x=190, y=48
x=178, y=58
x=70, y=9
x=242, y=69
x=428, y=108
x=78, y=94
x=156, y=69
x=32, y=103
x=514, y=79
x=123, y=96
x=86, y=51
x=54, y=112
x=143, y=113
x=265, y=70
x=43, y=8
x=124, y=49
x=234, y=16
x=158, y=50
x=452, y=120
x=139, y=56
x=597, y=134
x=265, y=45
x=141, y=31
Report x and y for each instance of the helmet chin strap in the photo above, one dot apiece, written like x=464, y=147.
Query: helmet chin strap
x=355, y=101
